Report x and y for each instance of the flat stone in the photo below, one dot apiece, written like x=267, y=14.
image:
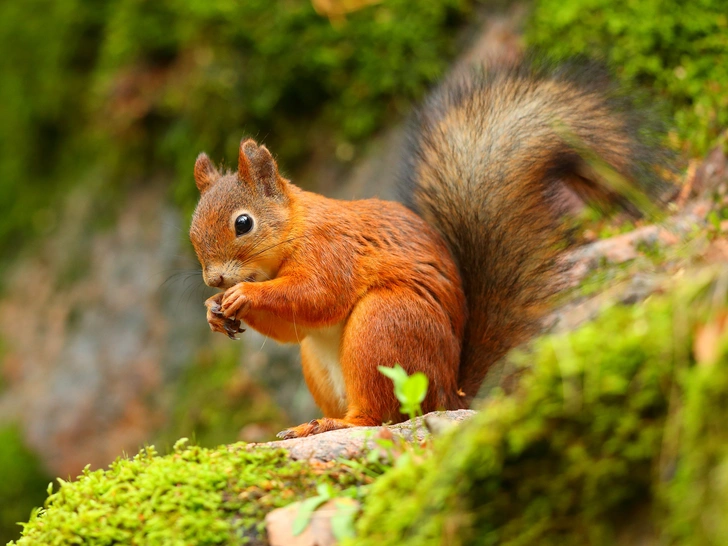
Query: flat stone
x=352, y=442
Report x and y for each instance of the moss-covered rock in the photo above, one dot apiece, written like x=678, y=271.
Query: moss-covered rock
x=192, y=496
x=694, y=459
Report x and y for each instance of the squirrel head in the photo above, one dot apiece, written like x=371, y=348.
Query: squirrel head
x=241, y=223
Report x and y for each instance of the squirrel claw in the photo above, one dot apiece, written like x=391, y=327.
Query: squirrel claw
x=216, y=309
x=233, y=327
x=287, y=434
x=315, y=426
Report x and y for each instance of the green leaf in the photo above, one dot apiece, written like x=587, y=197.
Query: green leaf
x=396, y=373
x=414, y=389
x=342, y=522
x=305, y=512
x=325, y=490
x=409, y=390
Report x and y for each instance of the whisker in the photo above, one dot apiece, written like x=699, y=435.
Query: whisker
x=260, y=242
x=174, y=277
x=197, y=288
x=249, y=258
x=189, y=291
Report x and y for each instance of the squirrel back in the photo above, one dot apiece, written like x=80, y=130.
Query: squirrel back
x=490, y=157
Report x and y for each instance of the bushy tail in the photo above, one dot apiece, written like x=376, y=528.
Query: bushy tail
x=490, y=158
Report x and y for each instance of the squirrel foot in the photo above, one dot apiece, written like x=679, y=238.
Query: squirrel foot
x=316, y=426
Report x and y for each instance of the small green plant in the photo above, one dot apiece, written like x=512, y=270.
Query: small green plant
x=410, y=390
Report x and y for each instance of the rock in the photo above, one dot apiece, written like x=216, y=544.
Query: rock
x=350, y=443
x=93, y=331
x=280, y=524
x=617, y=250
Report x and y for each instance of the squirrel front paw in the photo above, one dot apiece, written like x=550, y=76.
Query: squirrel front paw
x=235, y=303
x=218, y=321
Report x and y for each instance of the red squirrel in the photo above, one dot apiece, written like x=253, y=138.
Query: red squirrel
x=445, y=283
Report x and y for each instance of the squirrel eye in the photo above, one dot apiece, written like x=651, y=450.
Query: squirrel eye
x=243, y=224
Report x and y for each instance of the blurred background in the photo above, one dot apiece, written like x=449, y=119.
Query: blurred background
x=105, y=105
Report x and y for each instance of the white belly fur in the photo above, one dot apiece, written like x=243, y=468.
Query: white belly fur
x=324, y=346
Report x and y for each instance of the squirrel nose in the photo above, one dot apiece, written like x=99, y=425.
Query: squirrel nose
x=214, y=280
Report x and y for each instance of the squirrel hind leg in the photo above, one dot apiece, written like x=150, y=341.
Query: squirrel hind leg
x=398, y=326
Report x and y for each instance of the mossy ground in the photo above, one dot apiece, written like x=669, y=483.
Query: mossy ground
x=191, y=496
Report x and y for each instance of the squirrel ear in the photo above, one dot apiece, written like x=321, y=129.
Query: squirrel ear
x=256, y=165
x=205, y=173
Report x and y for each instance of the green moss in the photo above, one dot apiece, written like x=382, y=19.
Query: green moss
x=22, y=482
x=192, y=496
x=696, y=497
x=694, y=466
x=677, y=49
x=582, y=444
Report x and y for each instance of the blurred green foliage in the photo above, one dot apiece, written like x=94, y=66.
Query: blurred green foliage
x=120, y=89
x=214, y=399
x=675, y=48
x=22, y=482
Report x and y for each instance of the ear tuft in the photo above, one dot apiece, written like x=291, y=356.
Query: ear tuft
x=205, y=173
x=257, y=166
